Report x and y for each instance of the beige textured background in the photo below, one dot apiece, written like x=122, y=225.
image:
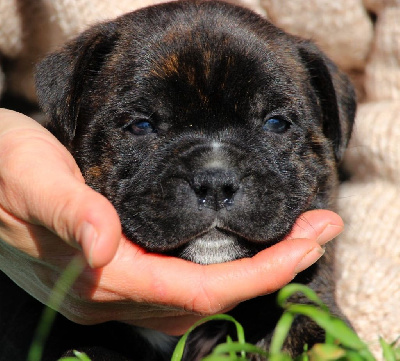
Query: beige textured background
x=369, y=250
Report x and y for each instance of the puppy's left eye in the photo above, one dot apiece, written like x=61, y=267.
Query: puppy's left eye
x=141, y=127
x=276, y=125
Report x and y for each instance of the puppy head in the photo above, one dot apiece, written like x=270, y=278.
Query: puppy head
x=209, y=129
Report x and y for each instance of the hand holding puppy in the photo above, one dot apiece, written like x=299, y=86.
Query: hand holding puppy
x=48, y=215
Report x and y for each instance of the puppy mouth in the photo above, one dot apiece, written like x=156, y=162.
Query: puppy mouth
x=217, y=246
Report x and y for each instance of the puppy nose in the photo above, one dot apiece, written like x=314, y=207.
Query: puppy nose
x=215, y=188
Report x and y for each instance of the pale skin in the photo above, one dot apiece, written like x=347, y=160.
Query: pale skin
x=48, y=215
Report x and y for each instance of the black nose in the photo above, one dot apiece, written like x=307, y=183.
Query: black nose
x=215, y=188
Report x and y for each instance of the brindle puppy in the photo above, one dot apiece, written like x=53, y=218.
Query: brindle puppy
x=211, y=131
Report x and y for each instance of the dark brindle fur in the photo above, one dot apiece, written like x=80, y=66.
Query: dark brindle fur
x=211, y=131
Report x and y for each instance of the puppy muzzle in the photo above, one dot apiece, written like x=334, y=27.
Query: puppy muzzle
x=215, y=188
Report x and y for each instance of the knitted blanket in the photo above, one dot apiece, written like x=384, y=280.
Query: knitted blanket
x=363, y=38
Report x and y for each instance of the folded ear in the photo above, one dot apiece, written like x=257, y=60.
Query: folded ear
x=62, y=77
x=335, y=94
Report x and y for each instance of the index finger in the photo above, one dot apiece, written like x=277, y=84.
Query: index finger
x=173, y=282
x=41, y=185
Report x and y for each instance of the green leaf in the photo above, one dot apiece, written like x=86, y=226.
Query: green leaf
x=62, y=286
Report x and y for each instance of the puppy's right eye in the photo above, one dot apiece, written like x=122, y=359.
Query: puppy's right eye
x=141, y=127
x=276, y=125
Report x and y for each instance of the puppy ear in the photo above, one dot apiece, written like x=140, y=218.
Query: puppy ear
x=335, y=94
x=62, y=77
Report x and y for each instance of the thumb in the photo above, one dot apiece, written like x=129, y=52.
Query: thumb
x=41, y=184
x=80, y=216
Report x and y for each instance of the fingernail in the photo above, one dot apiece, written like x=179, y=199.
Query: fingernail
x=330, y=232
x=88, y=241
x=310, y=258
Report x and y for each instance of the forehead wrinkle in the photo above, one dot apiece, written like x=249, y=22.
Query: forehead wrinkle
x=198, y=63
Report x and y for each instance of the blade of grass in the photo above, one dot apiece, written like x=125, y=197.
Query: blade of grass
x=234, y=347
x=335, y=327
x=281, y=331
x=304, y=356
x=79, y=356
x=285, y=293
x=387, y=350
x=352, y=355
x=180, y=347
x=224, y=358
x=230, y=341
x=57, y=295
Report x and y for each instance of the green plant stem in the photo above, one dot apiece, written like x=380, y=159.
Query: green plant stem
x=178, y=353
x=57, y=295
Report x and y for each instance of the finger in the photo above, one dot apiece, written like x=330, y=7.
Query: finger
x=309, y=224
x=159, y=279
x=197, y=290
x=41, y=183
x=276, y=266
x=262, y=274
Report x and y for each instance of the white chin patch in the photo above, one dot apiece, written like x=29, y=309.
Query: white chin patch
x=213, y=247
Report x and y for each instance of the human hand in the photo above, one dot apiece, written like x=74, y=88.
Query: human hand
x=48, y=216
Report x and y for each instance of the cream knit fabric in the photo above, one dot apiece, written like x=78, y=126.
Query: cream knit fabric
x=331, y=24
x=368, y=257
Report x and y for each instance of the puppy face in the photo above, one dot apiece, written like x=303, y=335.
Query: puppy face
x=209, y=129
